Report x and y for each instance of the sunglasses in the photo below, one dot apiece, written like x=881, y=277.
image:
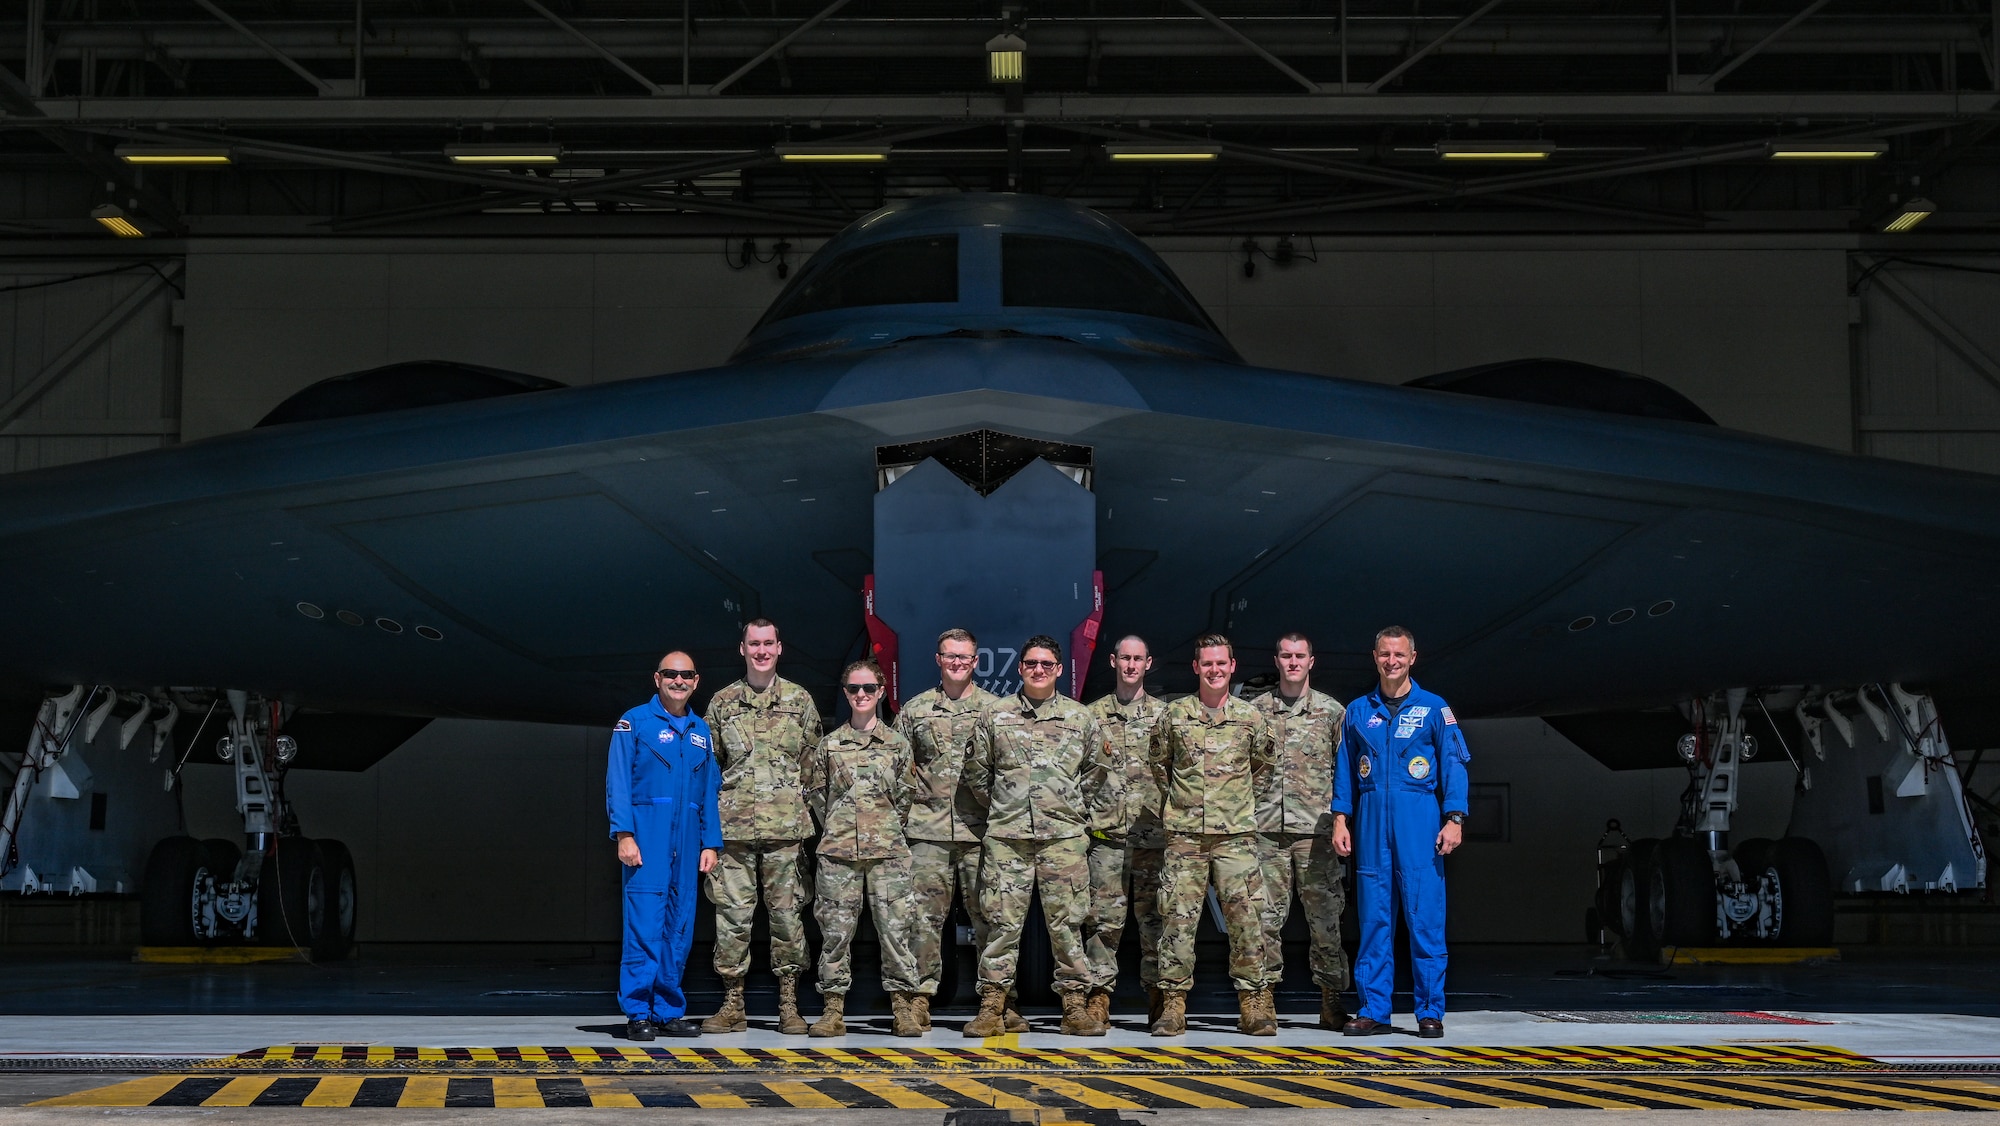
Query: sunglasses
x=677, y=674
x=1041, y=664
x=861, y=689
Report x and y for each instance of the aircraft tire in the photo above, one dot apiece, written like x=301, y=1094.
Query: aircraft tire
x=1634, y=892
x=291, y=895
x=166, y=893
x=1682, y=900
x=343, y=902
x=1807, y=892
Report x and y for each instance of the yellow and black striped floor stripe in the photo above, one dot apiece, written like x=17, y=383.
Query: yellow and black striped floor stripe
x=1096, y=1091
x=1148, y=1059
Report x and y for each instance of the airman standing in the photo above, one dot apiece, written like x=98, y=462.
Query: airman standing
x=1295, y=822
x=1127, y=851
x=1212, y=756
x=764, y=726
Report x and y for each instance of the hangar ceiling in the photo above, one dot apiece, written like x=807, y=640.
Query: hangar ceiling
x=677, y=116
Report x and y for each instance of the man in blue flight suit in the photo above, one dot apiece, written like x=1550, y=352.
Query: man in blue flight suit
x=1401, y=782
x=660, y=789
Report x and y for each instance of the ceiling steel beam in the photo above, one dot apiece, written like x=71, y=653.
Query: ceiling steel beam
x=784, y=41
x=1056, y=109
x=1277, y=63
x=1708, y=81
x=1423, y=52
x=266, y=46
x=595, y=47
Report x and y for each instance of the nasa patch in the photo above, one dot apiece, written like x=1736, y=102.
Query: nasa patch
x=1374, y=721
x=1450, y=720
x=666, y=735
x=622, y=725
x=1420, y=768
x=1365, y=767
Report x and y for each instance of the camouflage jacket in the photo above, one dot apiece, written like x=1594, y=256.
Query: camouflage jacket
x=860, y=786
x=761, y=742
x=1132, y=798
x=1040, y=769
x=1300, y=792
x=1210, y=772
x=940, y=735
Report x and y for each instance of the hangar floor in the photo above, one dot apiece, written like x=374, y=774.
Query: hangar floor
x=1530, y=1027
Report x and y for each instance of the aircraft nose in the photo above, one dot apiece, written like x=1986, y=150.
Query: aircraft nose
x=930, y=386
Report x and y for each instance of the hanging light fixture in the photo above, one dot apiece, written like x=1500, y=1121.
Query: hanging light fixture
x=113, y=218
x=1909, y=215
x=1006, y=58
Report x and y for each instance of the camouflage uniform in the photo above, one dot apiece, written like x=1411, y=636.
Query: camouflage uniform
x=1126, y=851
x=1296, y=824
x=946, y=822
x=761, y=742
x=1210, y=771
x=1040, y=769
x=860, y=785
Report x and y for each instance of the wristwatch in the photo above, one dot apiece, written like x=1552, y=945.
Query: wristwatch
x=1455, y=818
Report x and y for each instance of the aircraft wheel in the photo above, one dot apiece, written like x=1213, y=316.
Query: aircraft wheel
x=166, y=894
x=1606, y=908
x=291, y=895
x=342, y=902
x=1807, y=904
x=1681, y=903
x=1634, y=892
x=219, y=859
x=1753, y=860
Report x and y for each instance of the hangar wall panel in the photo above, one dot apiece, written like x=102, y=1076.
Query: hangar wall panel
x=119, y=392
x=1928, y=361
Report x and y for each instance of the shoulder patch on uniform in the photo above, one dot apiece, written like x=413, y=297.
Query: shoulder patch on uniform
x=622, y=725
x=1450, y=719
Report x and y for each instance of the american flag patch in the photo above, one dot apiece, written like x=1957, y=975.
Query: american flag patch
x=1450, y=718
x=622, y=725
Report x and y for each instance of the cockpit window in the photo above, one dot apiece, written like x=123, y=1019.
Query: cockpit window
x=1060, y=273
x=912, y=271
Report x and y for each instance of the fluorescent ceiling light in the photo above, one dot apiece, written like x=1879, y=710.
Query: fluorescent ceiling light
x=503, y=154
x=1827, y=150
x=831, y=154
x=1912, y=213
x=1006, y=57
x=171, y=154
x=113, y=219
x=1494, y=150
x=1163, y=152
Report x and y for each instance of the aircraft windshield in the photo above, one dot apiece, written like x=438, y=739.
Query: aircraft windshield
x=905, y=272
x=1060, y=273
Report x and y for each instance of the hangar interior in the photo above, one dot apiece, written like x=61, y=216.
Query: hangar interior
x=1705, y=193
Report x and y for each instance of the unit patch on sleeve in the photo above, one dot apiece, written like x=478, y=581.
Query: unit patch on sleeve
x=1364, y=767
x=622, y=725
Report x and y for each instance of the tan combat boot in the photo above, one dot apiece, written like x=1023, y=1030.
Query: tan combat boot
x=1077, y=1020
x=920, y=1004
x=829, y=1022
x=1154, y=998
x=1172, y=1020
x=1256, y=1018
x=992, y=1018
x=906, y=1023
x=1100, y=1007
x=730, y=1017
x=1015, y=1021
x=789, y=1021
x=1332, y=1014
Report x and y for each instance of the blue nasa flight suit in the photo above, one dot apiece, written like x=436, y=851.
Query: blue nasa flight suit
x=660, y=785
x=1396, y=777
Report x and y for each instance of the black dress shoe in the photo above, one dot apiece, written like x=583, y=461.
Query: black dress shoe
x=638, y=1030
x=680, y=1027
x=1362, y=1026
x=1430, y=1028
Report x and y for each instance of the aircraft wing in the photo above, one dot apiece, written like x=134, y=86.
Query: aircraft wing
x=527, y=557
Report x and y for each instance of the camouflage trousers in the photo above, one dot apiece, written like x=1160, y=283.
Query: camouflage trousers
x=843, y=888
x=1124, y=882
x=1306, y=861
x=777, y=869
x=1234, y=863
x=1010, y=871
x=935, y=868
